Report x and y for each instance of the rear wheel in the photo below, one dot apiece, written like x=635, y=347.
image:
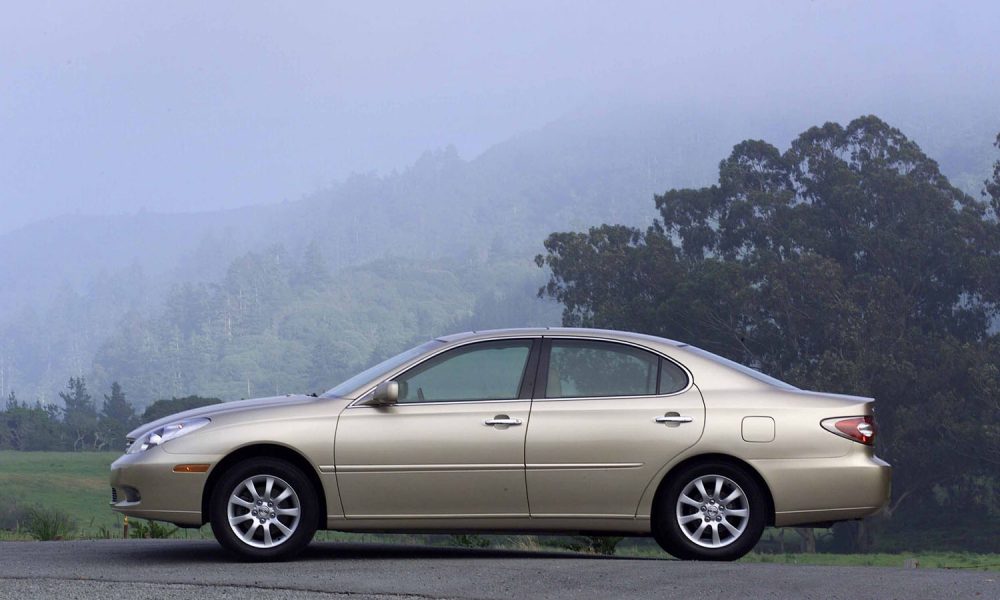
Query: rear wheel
x=264, y=509
x=710, y=511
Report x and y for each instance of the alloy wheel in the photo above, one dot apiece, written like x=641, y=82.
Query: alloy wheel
x=712, y=511
x=264, y=511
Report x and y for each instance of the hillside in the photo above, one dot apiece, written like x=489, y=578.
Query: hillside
x=92, y=296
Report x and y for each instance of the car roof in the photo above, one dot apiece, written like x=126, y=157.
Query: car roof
x=581, y=332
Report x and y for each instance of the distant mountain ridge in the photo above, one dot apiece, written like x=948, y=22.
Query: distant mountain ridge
x=69, y=281
x=568, y=175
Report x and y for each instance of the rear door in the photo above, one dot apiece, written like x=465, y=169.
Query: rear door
x=606, y=417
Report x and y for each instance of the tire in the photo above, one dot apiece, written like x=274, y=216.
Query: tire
x=275, y=520
x=713, y=526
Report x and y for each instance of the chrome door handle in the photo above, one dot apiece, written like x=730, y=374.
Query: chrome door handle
x=674, y=419
x=502, y=420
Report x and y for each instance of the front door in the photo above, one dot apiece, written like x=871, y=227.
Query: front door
x=452, y=446
x=609, y=417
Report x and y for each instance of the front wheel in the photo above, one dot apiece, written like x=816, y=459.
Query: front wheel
x=710, y=512
x=264, y=509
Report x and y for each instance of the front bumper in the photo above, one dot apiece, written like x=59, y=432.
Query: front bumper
x=145, y=486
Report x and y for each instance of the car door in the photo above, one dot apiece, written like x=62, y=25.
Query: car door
x=453, y=444
x=606, y=417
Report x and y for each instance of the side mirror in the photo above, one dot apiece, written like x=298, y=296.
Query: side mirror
x=385, y=394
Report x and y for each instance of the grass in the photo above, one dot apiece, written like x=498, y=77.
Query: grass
x=47, y=524
x=76, y=483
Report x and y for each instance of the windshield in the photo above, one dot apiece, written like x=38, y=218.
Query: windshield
x=372, y=373
x=741, y=368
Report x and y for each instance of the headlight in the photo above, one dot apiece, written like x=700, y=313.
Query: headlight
x=167, y=433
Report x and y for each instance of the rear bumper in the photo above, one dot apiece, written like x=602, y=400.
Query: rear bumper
x=146, y=486
x=826, y=489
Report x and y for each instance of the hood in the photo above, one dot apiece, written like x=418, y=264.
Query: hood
x=218, y=409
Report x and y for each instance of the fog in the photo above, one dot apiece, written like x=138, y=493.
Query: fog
x=202, y=202
x=169, y=107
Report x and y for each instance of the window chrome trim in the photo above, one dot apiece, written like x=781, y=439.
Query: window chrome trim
x=356, y=404
x=690, y=377
x=612, y=398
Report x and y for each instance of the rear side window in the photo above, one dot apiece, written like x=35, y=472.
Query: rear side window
x=587, y=369
x=672, y=378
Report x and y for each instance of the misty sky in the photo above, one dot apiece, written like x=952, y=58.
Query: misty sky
x=113, y=107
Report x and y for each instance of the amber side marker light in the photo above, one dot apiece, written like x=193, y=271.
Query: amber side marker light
x=858, y=429
x=191, y=469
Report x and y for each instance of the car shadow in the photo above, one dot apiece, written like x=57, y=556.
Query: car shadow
x=360, y=551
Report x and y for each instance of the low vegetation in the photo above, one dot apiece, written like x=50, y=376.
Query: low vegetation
x=143, y=529
x=73, y=483
x=47, y=524
x=64, y=495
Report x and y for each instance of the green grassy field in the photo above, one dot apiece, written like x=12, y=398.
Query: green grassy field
x=73, y=482
x=77, y=484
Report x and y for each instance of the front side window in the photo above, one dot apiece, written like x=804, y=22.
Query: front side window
x=483, y=371
x=585, y=369
x=381, y=368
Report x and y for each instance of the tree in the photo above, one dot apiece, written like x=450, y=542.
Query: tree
x=848, y=263
x=117, y=418
x=79, y=414
x=164, y=408
x=26, y=427
x=312, y=271
x=993, y=185
x=6, y=436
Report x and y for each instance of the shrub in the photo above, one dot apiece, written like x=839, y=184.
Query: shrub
x=594, y=544
x=48, y=524
x=151, y=529
x=469, y=541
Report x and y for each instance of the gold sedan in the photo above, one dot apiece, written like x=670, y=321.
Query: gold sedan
x=516, y=431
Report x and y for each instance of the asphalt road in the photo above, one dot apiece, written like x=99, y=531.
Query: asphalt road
x=137, y=569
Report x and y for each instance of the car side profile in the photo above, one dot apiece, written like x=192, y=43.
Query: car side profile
x=531, y=431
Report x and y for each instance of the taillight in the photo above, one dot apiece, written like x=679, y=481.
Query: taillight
x=859, y=429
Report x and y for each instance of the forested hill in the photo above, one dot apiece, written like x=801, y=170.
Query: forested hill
x=217, y=303
x=567, y=175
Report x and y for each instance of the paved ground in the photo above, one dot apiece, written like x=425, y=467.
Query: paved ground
x=137, y=569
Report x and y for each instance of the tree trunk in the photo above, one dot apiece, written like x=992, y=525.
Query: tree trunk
x=808, y=535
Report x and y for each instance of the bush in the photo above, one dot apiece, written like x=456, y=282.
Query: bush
x=594, y=544
x=106, y=533
x=469, y=541
x=48, y=524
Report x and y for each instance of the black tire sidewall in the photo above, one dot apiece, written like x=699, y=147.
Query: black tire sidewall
x=308, y=505
x=668, y=532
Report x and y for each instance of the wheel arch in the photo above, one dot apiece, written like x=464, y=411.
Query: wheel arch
x=714, y=458
x=264, y=450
